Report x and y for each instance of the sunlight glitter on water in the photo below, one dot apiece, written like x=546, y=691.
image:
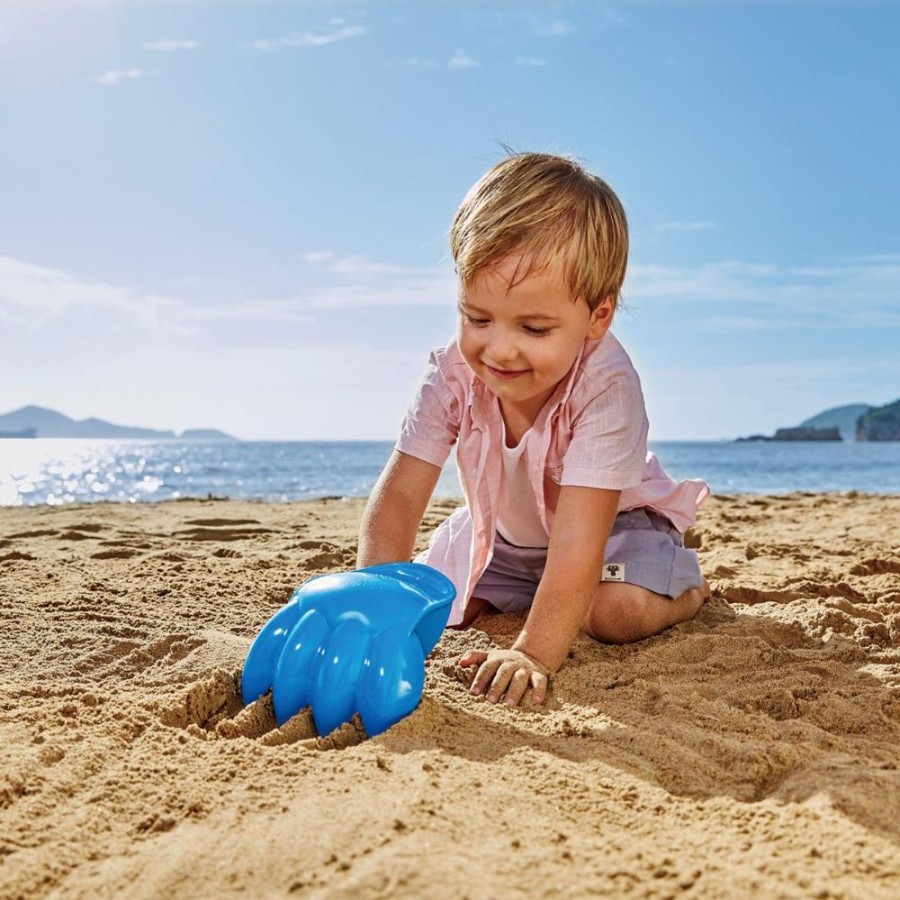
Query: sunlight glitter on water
x=57, y=471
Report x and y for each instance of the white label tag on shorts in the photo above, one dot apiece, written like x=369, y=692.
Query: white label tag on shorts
x=613, y=572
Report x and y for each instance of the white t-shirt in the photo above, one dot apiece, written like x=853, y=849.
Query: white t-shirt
x=518, y=519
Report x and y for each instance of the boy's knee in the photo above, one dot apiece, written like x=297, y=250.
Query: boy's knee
x=626, y=613
x=619, y=615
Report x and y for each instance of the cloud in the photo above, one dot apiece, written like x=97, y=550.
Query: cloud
x=687, y=226
x=169, y=45
x=31, y=296
x=354, y=266
x=310, y=38
x=888, y=258
x=256, y=310
x=729, y=296
x=551, y=28
x=318, y=256
x=112, y=77
x=461, y=60
x=356, y=282
x=532, y=22
x=412, y=63
x=532, y=61
x=860, y=294
x=790, y=296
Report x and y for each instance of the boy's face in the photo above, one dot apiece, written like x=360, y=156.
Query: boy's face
x=522, y=341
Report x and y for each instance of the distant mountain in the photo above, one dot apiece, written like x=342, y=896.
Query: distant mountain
x=48, y=423
x=841, y=417
x=881, y=423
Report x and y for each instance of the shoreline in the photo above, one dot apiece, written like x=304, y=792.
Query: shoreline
x=848, y=493
x=751, y=750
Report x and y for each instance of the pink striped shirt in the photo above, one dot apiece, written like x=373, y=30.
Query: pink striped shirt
x=592, y=432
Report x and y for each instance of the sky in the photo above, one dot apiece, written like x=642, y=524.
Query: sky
x=233, y=213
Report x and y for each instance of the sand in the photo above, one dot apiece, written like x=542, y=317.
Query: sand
x=751, y=752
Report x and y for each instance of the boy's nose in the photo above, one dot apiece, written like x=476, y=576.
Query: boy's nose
x=501, y=348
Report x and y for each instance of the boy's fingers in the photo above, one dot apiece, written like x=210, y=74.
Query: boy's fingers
x=502, y=678
x=473, y=658
x=484, y=676
x=539, y=683
x=500, y=675
x=517, y=687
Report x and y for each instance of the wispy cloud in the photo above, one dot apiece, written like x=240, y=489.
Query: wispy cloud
x=687, y=226
x=111, y=77
x=32, y=296
x=310, y=38
x=353, y=266
x=725, y=296
x=413, y=62
x=344, y=282
x=169, y=46
x=857, y=294
x=461, y=60
x=891, y=259
x=533, y=61
x=551, y=27
x=535, y=22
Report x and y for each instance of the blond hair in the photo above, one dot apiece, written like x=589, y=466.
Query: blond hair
x=547, y=209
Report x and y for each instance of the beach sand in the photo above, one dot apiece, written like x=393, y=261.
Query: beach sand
x=751, y=752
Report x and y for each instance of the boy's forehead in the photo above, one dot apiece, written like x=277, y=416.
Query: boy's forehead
x=520, y=272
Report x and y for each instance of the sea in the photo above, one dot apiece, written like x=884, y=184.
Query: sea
x=40, y=471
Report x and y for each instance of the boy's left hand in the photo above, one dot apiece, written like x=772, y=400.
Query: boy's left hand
x=507, y=674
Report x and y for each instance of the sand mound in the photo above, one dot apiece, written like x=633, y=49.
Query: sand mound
x=752, y=751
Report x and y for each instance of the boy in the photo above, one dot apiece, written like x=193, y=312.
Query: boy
x=548, y=416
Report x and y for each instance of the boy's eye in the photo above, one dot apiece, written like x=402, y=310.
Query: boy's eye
x=473, y=320
x=531, y=329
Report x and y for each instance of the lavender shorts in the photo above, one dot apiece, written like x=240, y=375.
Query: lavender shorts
x=644, y=548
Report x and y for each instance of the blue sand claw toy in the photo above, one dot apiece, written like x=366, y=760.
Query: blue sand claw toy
x=351, y=642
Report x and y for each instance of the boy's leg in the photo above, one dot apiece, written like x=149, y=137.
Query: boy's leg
x=475, y=607
x=509, y=583
x=650, y=581
x=622, y=613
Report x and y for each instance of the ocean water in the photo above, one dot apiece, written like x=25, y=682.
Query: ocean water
x=47, y=471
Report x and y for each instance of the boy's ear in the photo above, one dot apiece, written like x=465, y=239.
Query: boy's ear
x=601, y=318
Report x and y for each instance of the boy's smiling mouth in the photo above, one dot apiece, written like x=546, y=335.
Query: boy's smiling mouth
x=505, y=373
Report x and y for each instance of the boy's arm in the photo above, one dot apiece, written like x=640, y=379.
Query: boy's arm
x=583, y=521
x=395, y=510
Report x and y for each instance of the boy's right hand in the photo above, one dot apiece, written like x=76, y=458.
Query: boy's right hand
x=507, y=674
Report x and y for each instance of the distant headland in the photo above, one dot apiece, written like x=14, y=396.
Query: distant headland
x=39, y=422
x=856, y=422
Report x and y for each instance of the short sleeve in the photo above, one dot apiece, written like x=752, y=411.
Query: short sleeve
x=431, y=424
x=608, y=446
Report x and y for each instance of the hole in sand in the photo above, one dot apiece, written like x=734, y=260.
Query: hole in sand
x=212, y=709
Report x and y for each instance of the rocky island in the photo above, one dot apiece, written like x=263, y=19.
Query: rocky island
x=880, y=424
x=856, y=422
x=798, y=434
